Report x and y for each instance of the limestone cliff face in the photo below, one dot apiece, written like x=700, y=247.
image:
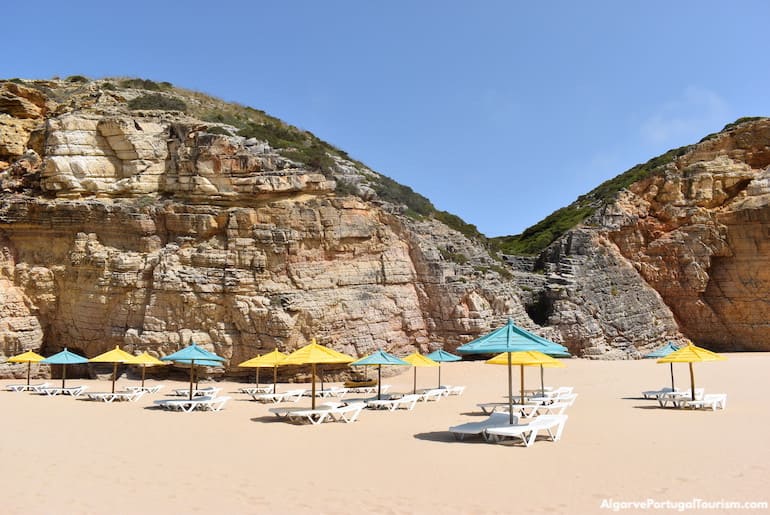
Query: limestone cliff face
x=689, y=245
x=143, y=229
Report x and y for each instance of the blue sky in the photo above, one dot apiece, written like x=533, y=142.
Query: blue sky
x=498, y=111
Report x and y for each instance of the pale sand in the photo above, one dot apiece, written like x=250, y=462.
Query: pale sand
x=65, y=456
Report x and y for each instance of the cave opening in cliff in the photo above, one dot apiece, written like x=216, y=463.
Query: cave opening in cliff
x=539, y=310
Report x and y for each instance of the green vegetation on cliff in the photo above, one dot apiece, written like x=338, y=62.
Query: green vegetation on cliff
x=536, y=238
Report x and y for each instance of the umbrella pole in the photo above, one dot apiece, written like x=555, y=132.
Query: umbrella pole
x=312, y=373
x=521, y=388
x=414, y=385
x=542, y=384
x=439, y=376
x=192, y=366
x=692, y=382
x=275, y=377
x=672, y=376
x=379, y=382
x=144, y=369
x=63, y=374
x=29, y=367
x=256, y=378
x=114, y=373
x=510, y=390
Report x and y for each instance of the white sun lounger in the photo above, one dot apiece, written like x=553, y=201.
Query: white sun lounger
x=149, y=389
x=709, y=400
x=209, y=391
x=678, y=398
x=654, y=394
x=347, y=413
x=26, y=387
x=187, y=405
x=252, y=390
x=407, y=402
x=116, y=396
x=69, y=390
x=527, y=433
x=434, y=394
x=287, y=396
x=477, y=428
x=454, y=390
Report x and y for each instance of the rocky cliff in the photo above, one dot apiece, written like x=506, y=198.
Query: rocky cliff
x=153, y=225
x=683, y=249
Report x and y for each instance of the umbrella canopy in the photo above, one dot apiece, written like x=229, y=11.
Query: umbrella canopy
x=662, y=352
x=114, y=356
x=690, y=354
x=65, y=358
x=418, y=360
x=511, y=338
x=273, y=359
x=194, y=355
x=314, y=354
x=379, y=358
x=145, y=360
x=28, y=357
x=441, y=356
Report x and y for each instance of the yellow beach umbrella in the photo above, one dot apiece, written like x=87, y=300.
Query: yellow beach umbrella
x=274, y=359
x=28, y=357
x=690, y=354
x=523, y=359
x=114, y=356
x=418, y=360
x=315, y=354
x=145, y=360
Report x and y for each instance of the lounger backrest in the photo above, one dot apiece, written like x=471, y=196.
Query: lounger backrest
x=499, y=418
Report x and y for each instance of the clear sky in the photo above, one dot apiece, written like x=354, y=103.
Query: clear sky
x=498, y=111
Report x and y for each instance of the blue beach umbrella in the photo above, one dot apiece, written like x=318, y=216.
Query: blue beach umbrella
x=440, y=356
x=511, y=338
x=65, y=358
x=662, y=352
x=194, y=355
x=379, y=358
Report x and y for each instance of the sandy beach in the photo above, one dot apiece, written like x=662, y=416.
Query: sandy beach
x=69, y=456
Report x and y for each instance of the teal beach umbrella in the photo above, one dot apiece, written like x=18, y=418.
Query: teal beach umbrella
x=379, y=358
x=662, y=352
x=440, y=356
x=194, y=355
x=65, y=358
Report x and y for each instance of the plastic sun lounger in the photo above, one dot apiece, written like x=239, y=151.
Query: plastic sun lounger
x=69, y=390
x=710, y=400
x=678, y=398
x=289, y=395
x=131, y=396
x=491, y=407
x=477, y=428
x=148, y=389
x=407, y=402
x=434, y=394
x=454, y=390
x=185, y=405
x=252, y=390
x=654, y=394
x=209, y=391
x=347, y=413
x=528, y=432
x=26, y=387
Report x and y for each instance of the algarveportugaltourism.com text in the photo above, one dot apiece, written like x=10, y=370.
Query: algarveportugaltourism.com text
x=692, y=504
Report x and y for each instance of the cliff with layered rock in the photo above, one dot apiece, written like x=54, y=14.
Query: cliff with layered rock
x=138, y=214
x=681, y=248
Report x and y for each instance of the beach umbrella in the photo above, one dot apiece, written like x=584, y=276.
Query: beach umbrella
x=273, y=359
x=508, y=339
x=145, y=360
x=663, y=352
x=690, y=354
x=28, y=357
x=114, y=356
x=314, y=354
x=379, y=358
x=65, y=358
x=418, y=360
x=442, y=356
x=524, y=359
x=194, y=355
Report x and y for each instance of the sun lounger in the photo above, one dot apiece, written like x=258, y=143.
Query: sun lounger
x=287, y=396
x=528, y=432
x=454, y=390
x=251, y=390
x=209, y=391
x=215, y=404
x=407, y=402
x=433, y=394
x=678, y=398
x=131, y=396
x=185, y=405
x=368, y=389
x=710, y=400
x=148, y=389
x=26, y=387
x=347, y=413
x=69, y=390
x=654, y=394
x=477, y=428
